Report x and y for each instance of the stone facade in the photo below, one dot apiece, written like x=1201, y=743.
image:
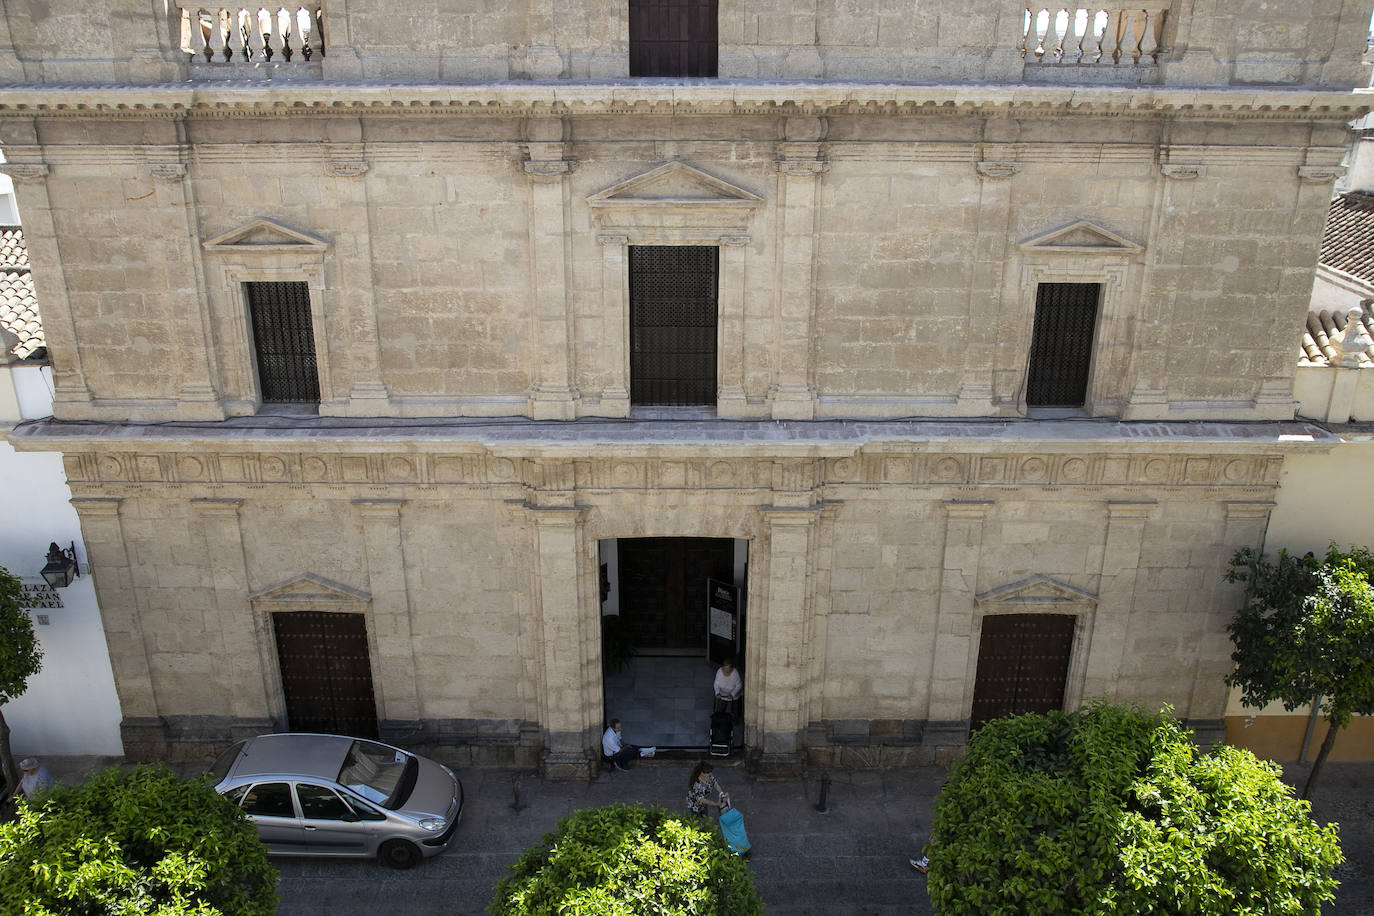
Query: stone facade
x=465, y=245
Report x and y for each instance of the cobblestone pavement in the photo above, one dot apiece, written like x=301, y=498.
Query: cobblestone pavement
x=849, y=861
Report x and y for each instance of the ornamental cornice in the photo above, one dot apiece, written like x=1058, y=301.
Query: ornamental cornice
x=736, y=97
x=356, y=476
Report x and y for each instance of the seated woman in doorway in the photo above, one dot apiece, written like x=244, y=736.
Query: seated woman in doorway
x=728, y=685
x=699, y=785
x=614, y=749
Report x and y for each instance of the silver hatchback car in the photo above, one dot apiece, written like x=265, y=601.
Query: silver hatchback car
x=328, y=795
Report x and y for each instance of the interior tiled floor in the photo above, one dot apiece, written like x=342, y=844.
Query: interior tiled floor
x=665, y=702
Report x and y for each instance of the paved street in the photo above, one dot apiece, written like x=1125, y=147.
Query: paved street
x=850, y=861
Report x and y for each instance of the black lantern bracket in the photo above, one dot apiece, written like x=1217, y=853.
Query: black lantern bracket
x=62, y=567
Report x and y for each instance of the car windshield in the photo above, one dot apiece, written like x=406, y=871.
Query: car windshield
x=379, y=773
x=220, y=768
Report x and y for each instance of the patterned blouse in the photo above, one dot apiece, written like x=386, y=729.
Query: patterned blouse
x=696, y=795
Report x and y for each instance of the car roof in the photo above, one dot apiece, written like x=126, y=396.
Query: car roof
x=316, y=756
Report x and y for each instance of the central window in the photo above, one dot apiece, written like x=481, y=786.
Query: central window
x=673, y=38
x=283, y=342
x=1062, y=344
x=673, y=293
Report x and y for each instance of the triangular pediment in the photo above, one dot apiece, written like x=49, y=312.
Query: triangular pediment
x=310, y=588
x=674, y=183
x=1037, y=591
x=265, y=235
x=1082, y=237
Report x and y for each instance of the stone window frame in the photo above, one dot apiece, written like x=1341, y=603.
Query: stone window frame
x=1037, y=595
x=330, y=598
x=1081, y=252
x=631, y=213
x=285, y=256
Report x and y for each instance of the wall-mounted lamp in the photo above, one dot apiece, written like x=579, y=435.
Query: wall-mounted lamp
x=61, y=568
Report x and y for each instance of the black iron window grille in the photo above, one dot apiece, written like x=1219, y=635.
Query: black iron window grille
x=673, y=292
x=284, y=342
x=673, y=38
x=1062, y=344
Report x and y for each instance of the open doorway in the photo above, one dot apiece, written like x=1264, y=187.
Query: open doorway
x=672, y=610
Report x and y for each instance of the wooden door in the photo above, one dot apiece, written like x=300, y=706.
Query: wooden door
x=1023, y=662
x=663, y=588
x=326, y=673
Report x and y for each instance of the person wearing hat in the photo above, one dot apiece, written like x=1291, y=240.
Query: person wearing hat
x=36, y=777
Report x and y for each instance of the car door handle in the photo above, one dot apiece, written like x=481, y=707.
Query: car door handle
x=309, y=827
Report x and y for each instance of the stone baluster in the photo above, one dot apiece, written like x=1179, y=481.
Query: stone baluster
x=218, y=28
x=1096, y=42
x=194, y=31
x=278, y=39
x=238, y=44
x=1111, y=43
x=1149, y=45
x=1131, y=37
x=257, y=38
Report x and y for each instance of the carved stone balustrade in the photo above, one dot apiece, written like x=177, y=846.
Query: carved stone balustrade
x=290, y=36
x=1126, y=35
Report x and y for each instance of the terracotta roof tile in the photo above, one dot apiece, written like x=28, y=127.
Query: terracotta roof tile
x=18, y=301
x=1324, y=340
x=1348, y=243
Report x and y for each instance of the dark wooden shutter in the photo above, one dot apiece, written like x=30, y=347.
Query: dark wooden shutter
x=284, y=341
x=1062, y=344
x=326, y=672
x=1023, y=661
x=673, y=38
x=673, y=324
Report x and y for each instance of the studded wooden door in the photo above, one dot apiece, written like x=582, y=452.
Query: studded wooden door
x=663, y=584
x=1023, y=661
x=673, y=324
x=1062, y=344
x=673, y=37
x=284, y=342
x=326, y=673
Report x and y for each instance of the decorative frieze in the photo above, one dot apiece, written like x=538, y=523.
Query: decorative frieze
x=694, y=473
x=24, y=171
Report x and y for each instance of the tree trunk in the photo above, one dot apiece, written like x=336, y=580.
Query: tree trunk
x=11, y=772
x=1327, y=743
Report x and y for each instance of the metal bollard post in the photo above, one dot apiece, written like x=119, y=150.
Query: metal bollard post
x=825, y=790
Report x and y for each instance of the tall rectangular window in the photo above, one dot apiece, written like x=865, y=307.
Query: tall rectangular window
x=1062, y=344
x=283, y=342
x=673, y=291
x=673, y=38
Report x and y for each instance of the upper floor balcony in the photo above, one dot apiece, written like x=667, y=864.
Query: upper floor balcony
x=1121, y=42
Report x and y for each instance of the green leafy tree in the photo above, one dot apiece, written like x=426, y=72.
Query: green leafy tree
x=1114, y=810
x=20, y=659
x=1306, y=634
x=625, y=860
x=141, y=842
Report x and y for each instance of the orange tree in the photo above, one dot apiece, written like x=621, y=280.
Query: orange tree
x=1114, y=810
x=20, y=659
x=1306, y=634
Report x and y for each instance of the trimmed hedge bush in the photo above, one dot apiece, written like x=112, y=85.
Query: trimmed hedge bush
x=140, y=842
x=626, y=860
x=1114, y=810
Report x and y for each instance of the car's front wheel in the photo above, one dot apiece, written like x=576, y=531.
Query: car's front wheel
x=399, y=854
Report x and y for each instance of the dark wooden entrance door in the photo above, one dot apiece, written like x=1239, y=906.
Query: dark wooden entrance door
x=663, y=588
x=326, y=673
x=1023, y=661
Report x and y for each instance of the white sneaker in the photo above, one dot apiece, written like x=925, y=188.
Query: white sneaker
x=920, y=864
x=648, y=751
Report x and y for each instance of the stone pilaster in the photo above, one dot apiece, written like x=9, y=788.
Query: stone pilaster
x=731, y=400
x=996, y=165
x=800, y=164
x=398, y=701
x=238, y=661
x=564, y=624
x=107, y=559
x=553, y=396
x=71, y=397
x=1115, y=596
x=615, y=311
x=947, y=719
x=780, y=657
x=1246, y=521
x=194, y=343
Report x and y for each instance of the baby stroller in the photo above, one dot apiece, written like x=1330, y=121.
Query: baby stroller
x=732, y=829
x=722, y=730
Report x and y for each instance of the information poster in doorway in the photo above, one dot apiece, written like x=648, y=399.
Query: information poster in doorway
x=722, y=616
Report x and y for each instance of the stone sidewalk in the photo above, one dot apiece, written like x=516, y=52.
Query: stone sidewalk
x=849, y=861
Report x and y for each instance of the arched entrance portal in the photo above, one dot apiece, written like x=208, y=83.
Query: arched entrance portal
x=672, y=610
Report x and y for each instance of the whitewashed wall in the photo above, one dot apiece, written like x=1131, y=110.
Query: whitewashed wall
x=70, y=706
